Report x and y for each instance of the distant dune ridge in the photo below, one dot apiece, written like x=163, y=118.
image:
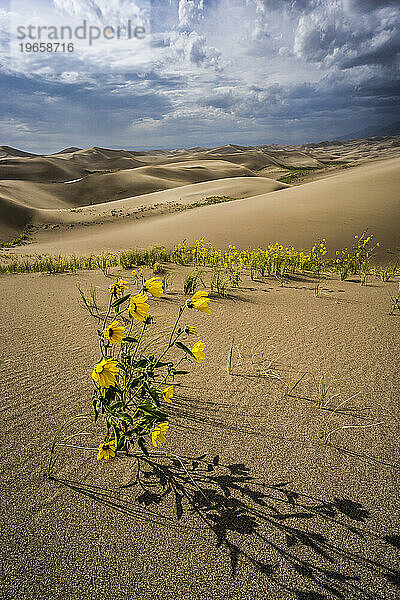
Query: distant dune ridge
x=86, y=188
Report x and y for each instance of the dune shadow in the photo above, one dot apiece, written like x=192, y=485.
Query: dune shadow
x=308, y=547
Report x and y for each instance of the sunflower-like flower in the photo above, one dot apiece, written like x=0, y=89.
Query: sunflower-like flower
x=158, y=434
x=138, y=307
x=117, y=288
x=190, y=330
x=200, y=301
x=114, y=333
x=107, y=450
x=198, y=351
x=154, y=286
x=168, y=393
x=105, y=373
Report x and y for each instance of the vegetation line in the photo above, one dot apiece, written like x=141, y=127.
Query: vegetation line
x=19, y=239
x=274, y=260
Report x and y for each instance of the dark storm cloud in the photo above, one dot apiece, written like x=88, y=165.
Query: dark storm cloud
x=212, y=68
x=51, y=105
x=369, y=5
x=332, y=35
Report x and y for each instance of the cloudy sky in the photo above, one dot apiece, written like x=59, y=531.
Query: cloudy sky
x=207, y=72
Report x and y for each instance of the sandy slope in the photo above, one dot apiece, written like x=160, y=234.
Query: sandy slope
x=304, y=521
x=232, y=187
x=77, y=177
x=23, y=202
x=336, y=208
x=20, y=199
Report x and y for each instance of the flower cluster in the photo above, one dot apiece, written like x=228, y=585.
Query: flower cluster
x=273, y=260
x=133, y=386
x=356, y=260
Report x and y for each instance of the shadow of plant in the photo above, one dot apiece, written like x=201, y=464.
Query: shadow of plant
x=309, y=542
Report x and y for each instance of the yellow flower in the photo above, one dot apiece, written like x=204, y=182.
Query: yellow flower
x=117, y=288
x=190, y=330
x=200, y=301
x=138, y=307
x=105, y=373
x=198, y=351
x=158, y=434
x=168, y=393
x=154, y=287
x=107, y=450
x=114, y=333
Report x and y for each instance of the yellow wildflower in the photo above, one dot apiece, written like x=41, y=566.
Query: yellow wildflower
x=154, y=286
x=107, y=450
x=138, y=307
x=198, y=351
x=158, y=434
x=168, y=393
x=190, y=330
x=105, y=372
x=114, y=333
x=117, y=288
x=200, y=301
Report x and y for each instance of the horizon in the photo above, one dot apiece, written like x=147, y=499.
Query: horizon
x=204, y=147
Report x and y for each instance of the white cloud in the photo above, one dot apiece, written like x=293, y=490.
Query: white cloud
x=190, y=14
x=210, y=68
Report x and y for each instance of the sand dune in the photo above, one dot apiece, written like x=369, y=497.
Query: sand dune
x=73, y=163
x=106, y=187
x=76, y=177
x=355, y=150
x=68, y=150
x=233, y=187
x=269, y=511
x=23, y=202
x=336, y=208
x=8, y=152
x=63, y=166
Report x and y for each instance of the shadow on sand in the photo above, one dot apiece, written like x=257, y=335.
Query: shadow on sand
x=312, y=549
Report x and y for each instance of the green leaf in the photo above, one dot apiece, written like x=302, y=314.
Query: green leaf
x=185, y=349
x=116, y=405
x=162, y=364
x=140, y=363
x=135, y=382
x=130, y=340
x=110, y=393
x=120, y=301
x=153, y=393
x=142, y=446
x=127, y=417
x=155, y=413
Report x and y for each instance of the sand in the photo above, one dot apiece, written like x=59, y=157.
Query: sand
x=292, y=519
x=279, y=515
x=337, y=208
x=76, y=177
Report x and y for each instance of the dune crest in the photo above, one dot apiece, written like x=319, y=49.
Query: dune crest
x=366, y=197
x=34, y=187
